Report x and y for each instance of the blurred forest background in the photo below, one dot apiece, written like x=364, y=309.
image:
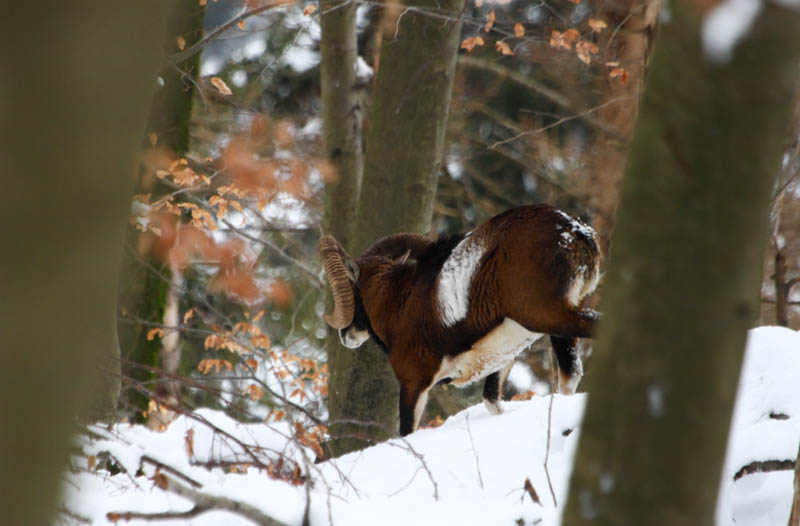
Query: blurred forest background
x=273, y=122
x=221, y=292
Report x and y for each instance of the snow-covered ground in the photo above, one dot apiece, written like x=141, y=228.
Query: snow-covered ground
x=471, y=470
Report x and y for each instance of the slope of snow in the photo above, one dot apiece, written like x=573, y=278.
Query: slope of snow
x=765, y=426
x=471, y=470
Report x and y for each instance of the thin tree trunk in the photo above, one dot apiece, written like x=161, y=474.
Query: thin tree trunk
x=142, y=293
x=75, y=87
x=685, y=268
x=781, y=288
x=343, y=142
x=794, y=517
x=405, y=145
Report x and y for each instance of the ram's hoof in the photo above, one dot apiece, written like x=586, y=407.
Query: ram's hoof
x=493, y=407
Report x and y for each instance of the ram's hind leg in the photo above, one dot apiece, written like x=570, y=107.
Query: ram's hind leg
x=493, y=389
x=570, y=369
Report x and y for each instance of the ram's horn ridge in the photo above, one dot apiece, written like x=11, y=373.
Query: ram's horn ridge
x=331, y=253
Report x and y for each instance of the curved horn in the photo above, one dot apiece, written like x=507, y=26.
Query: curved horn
x=332, y=255
x=398, y=244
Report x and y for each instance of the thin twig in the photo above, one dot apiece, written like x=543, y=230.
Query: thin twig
x=549, y=422
x=421, y=459
x=199, y=45
x=203, y=503
x=475, y=453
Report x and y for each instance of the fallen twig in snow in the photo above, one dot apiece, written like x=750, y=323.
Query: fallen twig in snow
x=475, y=453
x=421, y=459
x=549, y=422
x=764, y=466
x=169, y=469
x=202, y=503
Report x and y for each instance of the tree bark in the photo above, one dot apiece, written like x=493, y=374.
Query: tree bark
x=782, y=288
x=142, y=293
x=343, y=141
x=405, y=145
x=73, y=98
x=685, y=269
x=794, y=516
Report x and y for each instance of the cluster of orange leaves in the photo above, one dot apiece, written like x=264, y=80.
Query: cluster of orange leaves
x=250, y=179
x=310, y=374
x=301, y=374
x=501, y=46
x=262, y=179
x=584, y=49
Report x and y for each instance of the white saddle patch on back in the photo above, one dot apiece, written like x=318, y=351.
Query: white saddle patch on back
x=488, y=355
x=455, y=277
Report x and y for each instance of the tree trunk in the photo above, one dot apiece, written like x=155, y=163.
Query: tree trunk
x=343, y=138
x=782, y=288
x=76, y=84
x=143, y=293
x=404, y=153
x=794, y=516
x=685, y=268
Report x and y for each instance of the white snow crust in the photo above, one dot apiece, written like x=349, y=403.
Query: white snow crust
x=474, y=466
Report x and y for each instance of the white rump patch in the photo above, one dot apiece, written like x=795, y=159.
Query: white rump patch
x=455, y=277
x=488, y=355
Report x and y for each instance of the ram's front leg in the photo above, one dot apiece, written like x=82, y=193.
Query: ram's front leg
x=413, y=397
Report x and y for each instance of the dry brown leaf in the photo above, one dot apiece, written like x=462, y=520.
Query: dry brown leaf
x=221, y=86
x=240, y=24
x=152, y=333
x=161, y=480
x=584, y=50
x=503, y=48
x=597, y=25
x=519, y=30
x=189, y=442
x=622, y=73
x=310, y=9
x=181, y=42
x=571, y=35
x=280, y=293
x=532, y=492
x=489, y=21
x=254, y=392
x=153, y=138
x=471, y=42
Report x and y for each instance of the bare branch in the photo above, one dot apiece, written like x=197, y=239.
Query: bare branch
x=194, y=49
x=203, y=503
x=542, y=89
x=475, y=453
x=764, y=466
x=549, y=422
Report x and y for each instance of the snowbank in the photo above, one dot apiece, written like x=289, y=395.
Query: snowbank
x=471, y=470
